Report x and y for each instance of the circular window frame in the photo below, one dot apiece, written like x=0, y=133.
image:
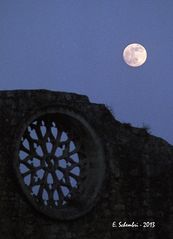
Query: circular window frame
x=96, y=168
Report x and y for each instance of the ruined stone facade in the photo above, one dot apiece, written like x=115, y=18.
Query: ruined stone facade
x=123, y=174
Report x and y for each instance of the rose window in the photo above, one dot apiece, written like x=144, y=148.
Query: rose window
x=55, y=165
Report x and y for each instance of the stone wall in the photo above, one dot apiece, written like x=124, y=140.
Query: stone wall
x=138, y=179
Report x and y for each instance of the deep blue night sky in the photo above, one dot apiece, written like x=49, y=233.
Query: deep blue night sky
x=77, y=45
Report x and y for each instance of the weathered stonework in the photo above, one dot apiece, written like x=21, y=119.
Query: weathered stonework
x=138, y=177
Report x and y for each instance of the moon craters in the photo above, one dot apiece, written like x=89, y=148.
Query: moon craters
x=135, y=55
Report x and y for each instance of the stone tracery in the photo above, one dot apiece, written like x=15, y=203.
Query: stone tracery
x=49, y=162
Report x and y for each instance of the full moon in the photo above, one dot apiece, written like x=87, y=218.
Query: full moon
x=135, y=55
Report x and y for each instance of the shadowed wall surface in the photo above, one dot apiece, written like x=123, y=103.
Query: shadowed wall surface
x=134, y=183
